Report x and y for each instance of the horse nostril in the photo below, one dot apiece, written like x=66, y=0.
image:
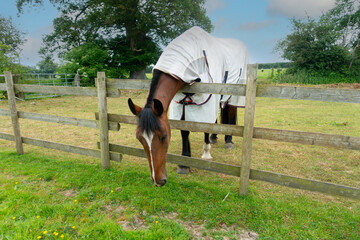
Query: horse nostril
x=163, y=182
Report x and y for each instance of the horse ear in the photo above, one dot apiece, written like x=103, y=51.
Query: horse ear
x=135, y=109
x=158, y=107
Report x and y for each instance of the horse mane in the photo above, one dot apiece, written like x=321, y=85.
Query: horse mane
x=148, y=121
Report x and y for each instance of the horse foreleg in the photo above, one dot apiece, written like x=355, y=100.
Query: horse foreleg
x=206, y=155
x=186, y=151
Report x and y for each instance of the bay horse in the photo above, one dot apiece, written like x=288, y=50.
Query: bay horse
x=193, y=56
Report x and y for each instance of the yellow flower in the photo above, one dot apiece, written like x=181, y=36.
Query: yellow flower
x=55, y=233
x=38, y=237
x=45, y=232
x=73, y=227
x=16, y=183
x=13, y=218
x=62, y=236
x=37, y=216
x=156, y=221
x=75, y=200
x=112, y=190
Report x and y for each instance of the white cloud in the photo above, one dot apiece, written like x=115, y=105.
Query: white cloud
x=299, y=8
x=29, y=54
x=220, y=23
x=250, y=26
x=213, y=5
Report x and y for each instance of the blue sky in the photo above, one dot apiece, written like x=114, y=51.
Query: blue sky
x=258, y=23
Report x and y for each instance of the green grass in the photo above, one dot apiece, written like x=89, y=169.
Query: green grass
x=67, y=190
x=79, y=200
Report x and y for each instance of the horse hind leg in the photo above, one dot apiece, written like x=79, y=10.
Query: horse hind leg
x=213, y=137
x=185, y=152
x=207, y=146
x=229, y=116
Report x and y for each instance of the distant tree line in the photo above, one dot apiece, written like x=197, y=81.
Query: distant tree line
x=275, y=65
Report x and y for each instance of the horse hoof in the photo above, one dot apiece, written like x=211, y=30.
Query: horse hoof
x=183, y=170
x=213, y=140
x=206, y=157
x=229, y=145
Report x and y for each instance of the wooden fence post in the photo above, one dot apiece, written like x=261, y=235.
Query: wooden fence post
x=13, y=112
x=248, y=128
x=103, y=120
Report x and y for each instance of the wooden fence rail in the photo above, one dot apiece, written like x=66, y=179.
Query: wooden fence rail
x=117, y=157
x=62, y=120
x=285, y=92
x=233, y=170
x=308, y=138
x=110, y=88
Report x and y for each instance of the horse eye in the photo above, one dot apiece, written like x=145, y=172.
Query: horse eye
x=163, y=138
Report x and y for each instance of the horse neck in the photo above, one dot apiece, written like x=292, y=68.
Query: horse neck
x=166, y=89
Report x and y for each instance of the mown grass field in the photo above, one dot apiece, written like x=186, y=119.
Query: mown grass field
x=47, y=194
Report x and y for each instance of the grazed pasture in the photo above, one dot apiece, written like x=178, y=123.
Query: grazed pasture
x=73, y=197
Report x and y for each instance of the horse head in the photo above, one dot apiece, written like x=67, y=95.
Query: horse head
x=153, y=132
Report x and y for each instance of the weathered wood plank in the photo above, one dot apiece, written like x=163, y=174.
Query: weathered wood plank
x=306, y=184
x=184, y=125
x=13, y=112
x=228, y=169
x=275, y=178
x=60, y=90
x=248, y=128
x=2, y=87
x=103, y=119
x=114, y=126
x=214, y=88
x=309, y=138
x=307, y=93
x=63, y=147
x=4, y=112
x=233, y=170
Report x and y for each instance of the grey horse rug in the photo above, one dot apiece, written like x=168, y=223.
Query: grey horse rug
x=196, y=56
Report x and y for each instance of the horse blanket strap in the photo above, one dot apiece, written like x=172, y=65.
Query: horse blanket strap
x=187, y=100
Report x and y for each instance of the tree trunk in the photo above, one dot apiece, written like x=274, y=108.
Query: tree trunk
x=139, y=74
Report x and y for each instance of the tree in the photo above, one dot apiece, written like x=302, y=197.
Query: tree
x=87, y=60
x=10, y=41
x=313, y=46
x=346, y=16
x=131, y=31
x=329, y=44
x=47, y=65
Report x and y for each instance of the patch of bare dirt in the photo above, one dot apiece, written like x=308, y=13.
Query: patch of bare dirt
x=68, y=193
x=136, y=223
x=198, y=230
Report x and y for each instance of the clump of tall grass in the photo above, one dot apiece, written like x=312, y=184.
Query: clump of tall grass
x=305, y=77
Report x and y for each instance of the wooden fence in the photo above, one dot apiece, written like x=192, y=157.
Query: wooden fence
x=105, y=122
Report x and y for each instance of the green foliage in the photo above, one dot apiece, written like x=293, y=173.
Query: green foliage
x=275, y=65
x=307, y=77
x=89, y=59
x=312, y=46
x=10, y=41
x=327, y=47
x=47, y=65
x=132, y=31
